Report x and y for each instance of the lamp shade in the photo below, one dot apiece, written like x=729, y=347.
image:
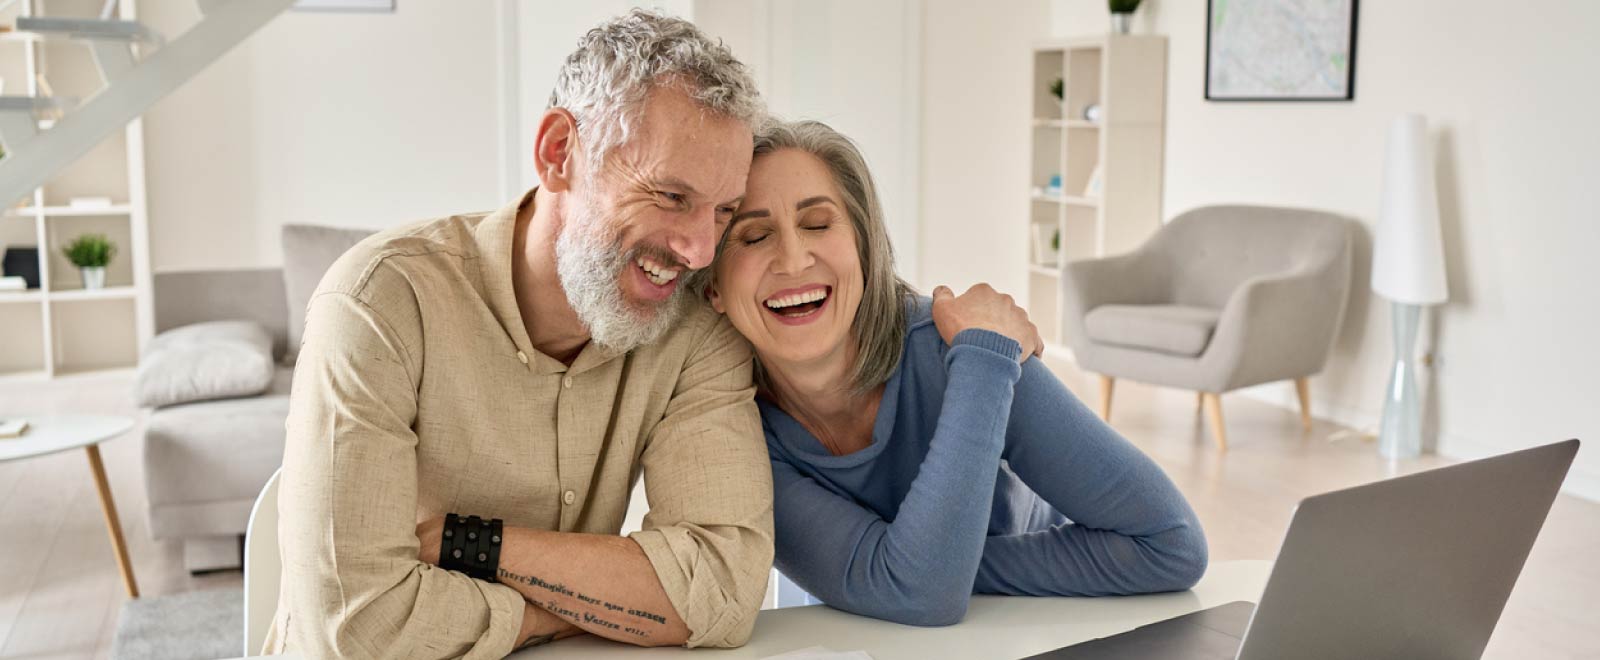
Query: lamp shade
x=1408, y=255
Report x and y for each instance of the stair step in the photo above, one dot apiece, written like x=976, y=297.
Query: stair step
x=90, y=28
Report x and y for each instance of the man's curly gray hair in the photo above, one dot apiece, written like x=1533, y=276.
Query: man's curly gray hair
x=604, y=82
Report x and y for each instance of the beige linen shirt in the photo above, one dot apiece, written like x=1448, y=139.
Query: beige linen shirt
x=417, y=393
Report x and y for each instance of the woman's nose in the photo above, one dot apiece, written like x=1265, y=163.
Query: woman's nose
x=794, y=255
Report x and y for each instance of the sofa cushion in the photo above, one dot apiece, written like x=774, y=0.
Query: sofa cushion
x=308, y=252
x=1172, y=329
x=213, y=360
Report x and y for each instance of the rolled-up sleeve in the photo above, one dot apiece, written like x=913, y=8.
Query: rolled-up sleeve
x=353, y=585
x=709, y=530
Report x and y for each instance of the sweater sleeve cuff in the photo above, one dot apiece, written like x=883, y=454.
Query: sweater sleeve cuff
x=988, y=340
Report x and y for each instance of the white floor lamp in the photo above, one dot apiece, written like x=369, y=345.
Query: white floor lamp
x=1408, y=270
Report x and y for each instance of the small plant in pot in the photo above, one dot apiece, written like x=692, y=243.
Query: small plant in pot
x=90, y=253
x=1122, y=14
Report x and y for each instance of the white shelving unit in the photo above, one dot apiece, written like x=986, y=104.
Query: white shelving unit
x=60, y=327
x=1125, y=75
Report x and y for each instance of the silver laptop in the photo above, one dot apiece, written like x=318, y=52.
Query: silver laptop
x=1418, y=566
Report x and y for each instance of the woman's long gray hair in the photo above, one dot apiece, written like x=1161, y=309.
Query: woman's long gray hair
x=879, y=327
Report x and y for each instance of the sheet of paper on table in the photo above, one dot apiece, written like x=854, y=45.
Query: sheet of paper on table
x=820, y=653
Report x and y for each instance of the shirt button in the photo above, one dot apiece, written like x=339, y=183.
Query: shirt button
x=567, y=383
x=523, y=357
x=569, y=497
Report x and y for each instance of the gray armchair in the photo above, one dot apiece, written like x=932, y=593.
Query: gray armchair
x=1222, y=297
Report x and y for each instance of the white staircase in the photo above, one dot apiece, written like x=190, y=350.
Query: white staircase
x=138, y=67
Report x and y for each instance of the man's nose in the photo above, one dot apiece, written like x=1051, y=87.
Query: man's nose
x=695, y=240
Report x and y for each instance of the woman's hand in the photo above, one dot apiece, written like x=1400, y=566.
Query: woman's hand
x=984, y=308
x=430, y=533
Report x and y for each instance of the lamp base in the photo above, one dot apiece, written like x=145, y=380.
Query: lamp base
x=1400, y=435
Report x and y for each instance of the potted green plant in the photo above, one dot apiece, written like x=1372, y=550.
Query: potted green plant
x=1122, y=14
x=90, y=253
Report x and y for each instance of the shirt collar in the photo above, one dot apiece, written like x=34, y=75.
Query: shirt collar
x=494, y=236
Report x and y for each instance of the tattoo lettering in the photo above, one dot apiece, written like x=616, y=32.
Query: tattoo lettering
x=584, y=618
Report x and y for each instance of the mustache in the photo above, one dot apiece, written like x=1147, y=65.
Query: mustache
x=658, y=254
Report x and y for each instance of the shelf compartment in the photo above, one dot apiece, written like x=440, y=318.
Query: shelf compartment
x=22, y=337
x=95, y=334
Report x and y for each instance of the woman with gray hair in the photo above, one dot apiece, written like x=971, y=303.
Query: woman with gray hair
x=919, y=453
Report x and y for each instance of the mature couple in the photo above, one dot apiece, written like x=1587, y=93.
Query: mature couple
x=527, y=365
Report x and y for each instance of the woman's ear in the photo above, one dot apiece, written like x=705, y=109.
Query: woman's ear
x=715, y=298
x=555, y=149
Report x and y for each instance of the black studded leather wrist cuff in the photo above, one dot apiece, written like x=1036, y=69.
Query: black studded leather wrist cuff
x=471, y=545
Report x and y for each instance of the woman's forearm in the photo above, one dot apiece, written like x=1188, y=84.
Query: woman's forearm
x=1131, y=530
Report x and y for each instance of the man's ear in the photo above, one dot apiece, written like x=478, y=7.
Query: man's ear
x=555, y=149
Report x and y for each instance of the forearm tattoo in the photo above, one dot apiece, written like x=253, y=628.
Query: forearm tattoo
x=584, y=617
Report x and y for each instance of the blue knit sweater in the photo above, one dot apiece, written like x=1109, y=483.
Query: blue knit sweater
x=983, y=476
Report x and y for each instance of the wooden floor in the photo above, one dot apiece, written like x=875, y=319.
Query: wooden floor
x=60, y=592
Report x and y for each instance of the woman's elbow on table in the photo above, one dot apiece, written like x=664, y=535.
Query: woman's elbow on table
x=931, y=612
x=1181, y=557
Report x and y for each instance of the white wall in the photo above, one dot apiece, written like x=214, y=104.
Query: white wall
x=359, y=120
x=1511, y=97
x=975, y=141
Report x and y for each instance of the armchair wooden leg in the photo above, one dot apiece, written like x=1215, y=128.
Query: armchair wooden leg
x=1213, y=405
x=1302, y=386
x=1106, y=385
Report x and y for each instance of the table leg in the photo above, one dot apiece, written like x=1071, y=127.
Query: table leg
x=112, y=524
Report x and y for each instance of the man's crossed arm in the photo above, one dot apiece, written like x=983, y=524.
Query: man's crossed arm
x=582, y=582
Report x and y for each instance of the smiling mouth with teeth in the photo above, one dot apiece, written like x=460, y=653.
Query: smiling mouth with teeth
x=658, y=274
x=799, y=304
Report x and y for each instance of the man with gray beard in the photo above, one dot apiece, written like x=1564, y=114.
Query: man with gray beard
x=477, y=395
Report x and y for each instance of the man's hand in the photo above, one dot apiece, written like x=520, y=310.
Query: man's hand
x=541, y=627
x=984, y=308
x=430, y=533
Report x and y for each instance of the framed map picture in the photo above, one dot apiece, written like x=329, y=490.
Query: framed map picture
x=1280, y=50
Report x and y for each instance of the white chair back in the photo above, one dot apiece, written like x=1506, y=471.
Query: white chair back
x=262, y=567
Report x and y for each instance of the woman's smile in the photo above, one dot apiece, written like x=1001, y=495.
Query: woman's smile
x=798, y=306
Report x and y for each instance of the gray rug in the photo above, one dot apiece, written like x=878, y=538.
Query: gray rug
x=198, y=625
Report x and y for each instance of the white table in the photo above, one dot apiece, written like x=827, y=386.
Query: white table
x=51, y=434
x=996, y=627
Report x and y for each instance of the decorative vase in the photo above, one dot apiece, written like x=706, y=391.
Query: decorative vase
x=1121, y=23
x=93, y=278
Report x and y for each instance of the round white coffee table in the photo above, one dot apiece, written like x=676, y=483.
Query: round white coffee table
x=55, y=433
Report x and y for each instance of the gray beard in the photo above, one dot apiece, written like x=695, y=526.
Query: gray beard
x=590, y=262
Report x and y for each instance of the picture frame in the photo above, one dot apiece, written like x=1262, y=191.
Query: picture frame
x=1297, y=52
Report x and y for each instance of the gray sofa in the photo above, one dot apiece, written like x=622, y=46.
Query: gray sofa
x=205, y=461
